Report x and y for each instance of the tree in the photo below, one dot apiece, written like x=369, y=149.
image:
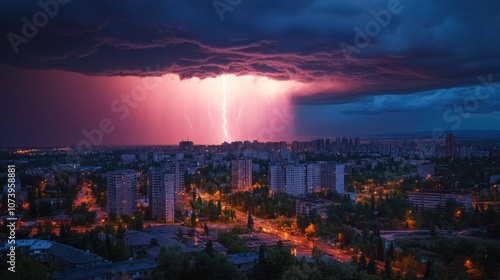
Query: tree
x=232, y=242
x=491, y=262
x=317, y=254
x=380, y=249
x=180, y=233
x=205, y=228
x=26, y=269
x=428, y=267
x=136, y=223
x=250, y=221
x=154, y=242
x=172, y=262
x=209, y=248
x=362, y=262
x=302, y=271
x=391, y=253
x=279, y=260
x=311, y=233
x=387, y=269
x=215, y=267
x=112, y=216
x=45, y=208
x=193, y=219
x=120, y=232
x=262, y=254
x=372, y=266
x=64, y=233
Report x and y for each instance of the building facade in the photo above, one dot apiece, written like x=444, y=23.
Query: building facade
x=241, y=174
x=122, y=192
x=339, y=178
x=302, y=179
x=431, y=201
x=295, y=179
x=162, y=193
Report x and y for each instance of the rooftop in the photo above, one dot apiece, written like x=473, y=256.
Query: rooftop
x=115, y=269
x=73, y=255
x=33, y=244
x=68, y=253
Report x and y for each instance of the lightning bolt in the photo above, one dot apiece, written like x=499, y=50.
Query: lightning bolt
x=189, y=121
x=224, y=104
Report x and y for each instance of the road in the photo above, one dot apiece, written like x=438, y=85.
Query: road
x=326, y=249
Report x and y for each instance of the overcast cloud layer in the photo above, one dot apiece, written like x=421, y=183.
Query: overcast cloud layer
x=427, y=45
x=352, y=67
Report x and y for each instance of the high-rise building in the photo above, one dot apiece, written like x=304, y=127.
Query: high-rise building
x=179, y=169
x=327, y=175
x=450, y=145
x=295, y=179
x=339, y=178
x=165, y=184
x=186, y=145
x=155, y=188
x=313, y=177
x=328, y=145
x=356, y=144
x=122, y=190
x=170, y=194
x=276, y=178
x=241, y=174
x=318, y=145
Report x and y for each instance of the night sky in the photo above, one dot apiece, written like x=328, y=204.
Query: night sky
x=157, y=72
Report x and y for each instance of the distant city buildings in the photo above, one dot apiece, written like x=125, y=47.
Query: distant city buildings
x=241, y=174
x=122, y=190
x=450, y=145
x=426, y=170
x=128, y=158
x=186, y=145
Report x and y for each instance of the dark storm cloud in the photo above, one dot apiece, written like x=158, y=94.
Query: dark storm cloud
x=473, y=100
x=428, y=45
